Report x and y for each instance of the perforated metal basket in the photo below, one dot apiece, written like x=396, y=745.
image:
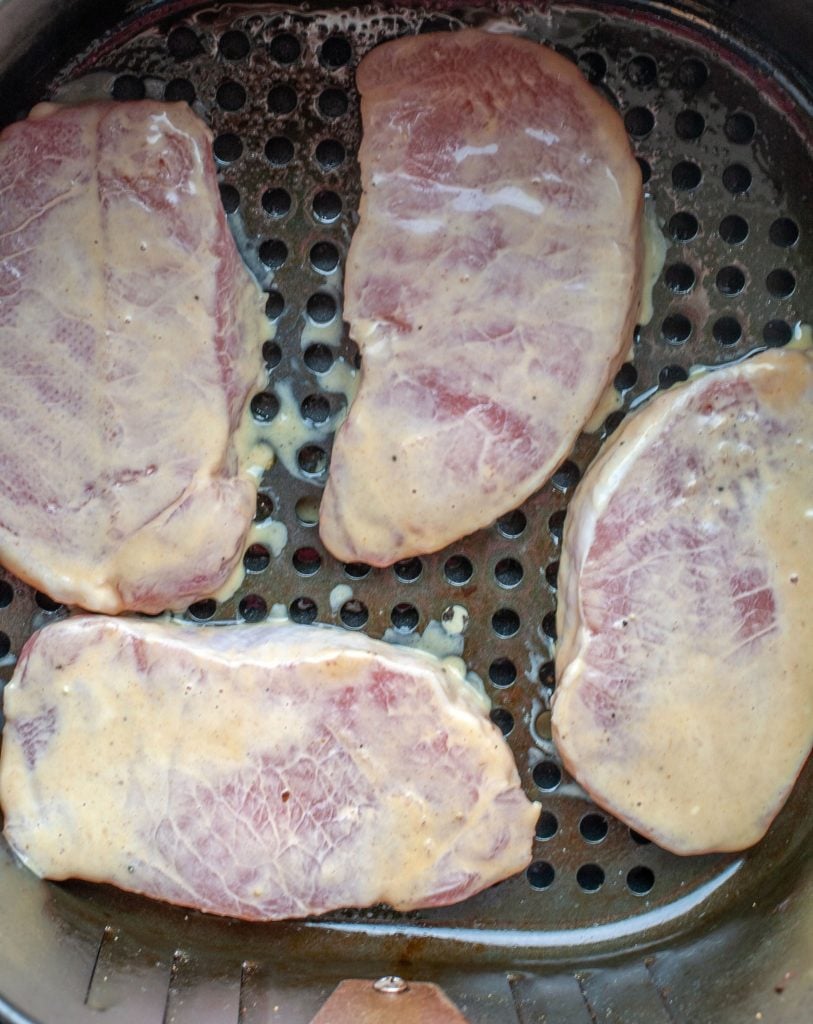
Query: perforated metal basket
x=604, y=925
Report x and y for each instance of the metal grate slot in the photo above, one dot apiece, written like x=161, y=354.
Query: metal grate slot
x=128, y=983
x=199, y=995
x=557, y=998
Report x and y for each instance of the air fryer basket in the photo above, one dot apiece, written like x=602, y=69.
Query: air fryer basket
x=604, y=925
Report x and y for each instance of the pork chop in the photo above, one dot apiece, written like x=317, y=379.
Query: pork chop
x=129, y=334
x=259, y=771
x=684, y=701
x=492, y=286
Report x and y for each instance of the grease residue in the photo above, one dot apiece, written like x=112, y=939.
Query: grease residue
x=341, y=379
x=251, y=257
x=802, y=337
x=96, y=86
x=637, y=927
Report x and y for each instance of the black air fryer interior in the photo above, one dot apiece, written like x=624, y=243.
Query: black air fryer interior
x=604, y=925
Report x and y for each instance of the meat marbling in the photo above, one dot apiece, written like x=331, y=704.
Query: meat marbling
x=492, y=285
x=684, y=701
x=129, y=333
x=259, y=771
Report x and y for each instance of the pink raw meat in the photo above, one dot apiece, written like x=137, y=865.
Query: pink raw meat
x=258, y=771
x=128, y=334
x=491, y=285
x=684, y=697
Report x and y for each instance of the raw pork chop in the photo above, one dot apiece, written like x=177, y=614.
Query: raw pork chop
x=259, y=771
x=684, y=701
x=492, y=286
x=128, y=333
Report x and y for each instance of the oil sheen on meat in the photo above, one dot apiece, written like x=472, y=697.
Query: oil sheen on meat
x=684, y=701
x=263, y=771
x=492, y=285
x=129, y=331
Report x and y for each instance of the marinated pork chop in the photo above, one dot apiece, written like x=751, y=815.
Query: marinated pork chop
x=258, y=771
x=684, y=701
x=492, y=285
x=128, y=347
